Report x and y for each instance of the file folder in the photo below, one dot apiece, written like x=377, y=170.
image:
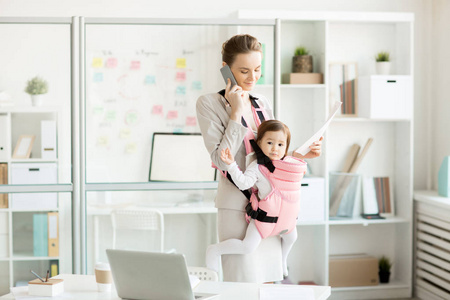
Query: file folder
x=53, y=234
x=3, y=180
x=40, y=235
x=48, y=139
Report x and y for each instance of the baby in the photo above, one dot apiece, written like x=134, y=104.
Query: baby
x=275, y=180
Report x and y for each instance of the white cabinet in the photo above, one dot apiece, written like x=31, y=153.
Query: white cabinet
x=385, y=112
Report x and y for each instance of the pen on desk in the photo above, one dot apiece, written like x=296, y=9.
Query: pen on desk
x=46, y=278
x=37, y=276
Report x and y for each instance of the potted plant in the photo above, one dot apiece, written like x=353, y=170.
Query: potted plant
x=36, y=87
x=302, y=62
x=383, y=63
x=384, y=269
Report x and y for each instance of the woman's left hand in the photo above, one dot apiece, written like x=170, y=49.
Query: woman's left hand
x=316, y=150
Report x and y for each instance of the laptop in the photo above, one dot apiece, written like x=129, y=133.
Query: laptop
x=151, y=276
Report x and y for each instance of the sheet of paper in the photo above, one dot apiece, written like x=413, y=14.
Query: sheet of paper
x=22, y=293
x=291, y=292
x=304, y=149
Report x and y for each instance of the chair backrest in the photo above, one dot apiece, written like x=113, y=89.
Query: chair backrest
x=203, y=273
x=148, y=219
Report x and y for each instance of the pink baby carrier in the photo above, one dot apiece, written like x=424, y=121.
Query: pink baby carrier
x=277, y=213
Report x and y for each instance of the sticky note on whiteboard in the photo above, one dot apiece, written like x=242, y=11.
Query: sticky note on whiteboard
x=111, y=62
x=181, y=63
x=157, y=110
x=191, y=121
x=97, y=62
x=172, y=114
x=180, y=76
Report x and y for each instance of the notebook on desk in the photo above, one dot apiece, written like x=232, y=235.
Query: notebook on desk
x=151, y=275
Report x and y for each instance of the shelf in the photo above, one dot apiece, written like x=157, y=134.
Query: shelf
x=25, y=257
x=311, y=223
x=4, y=258
x=365, y=222
x=30, y=109
x=33, y=160
x=356, y=119
x=303, y=86
x=34, y=210
x=382, y=286
x=432, y=197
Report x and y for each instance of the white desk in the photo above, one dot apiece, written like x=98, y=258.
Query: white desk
x=85, y=287
x=204, y=209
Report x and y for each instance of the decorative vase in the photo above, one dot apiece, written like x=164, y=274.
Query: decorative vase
x=302, y=64
x=36, y=100
x=383, y=67
x=384, y=276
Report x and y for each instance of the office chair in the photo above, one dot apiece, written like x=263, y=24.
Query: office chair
x=203, y=273
x=140, y=220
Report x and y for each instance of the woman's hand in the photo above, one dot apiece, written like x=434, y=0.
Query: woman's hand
x=235, y=96
x=226, y=156
x=316, y=150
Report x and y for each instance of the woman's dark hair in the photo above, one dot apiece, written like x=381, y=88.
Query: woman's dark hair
x=239, y=44
x=273, y=125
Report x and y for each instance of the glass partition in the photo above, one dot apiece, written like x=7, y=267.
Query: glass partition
x=146, y=79
x=35, y=130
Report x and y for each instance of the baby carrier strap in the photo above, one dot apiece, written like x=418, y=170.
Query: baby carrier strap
x=261, y=114
x=259, y=214
x=261, y=158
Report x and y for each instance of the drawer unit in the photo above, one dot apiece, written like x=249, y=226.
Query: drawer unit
x=34, y=173
x=385, y=97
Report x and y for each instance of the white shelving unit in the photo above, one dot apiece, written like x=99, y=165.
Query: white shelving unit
x=339, y=37
x=16, y=224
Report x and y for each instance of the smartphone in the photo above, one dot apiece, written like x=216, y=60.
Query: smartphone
x=226, y=73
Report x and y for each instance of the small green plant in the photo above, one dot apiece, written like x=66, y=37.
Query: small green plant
x=382, y=56
x=36, y=86
x=384, y=264
x=301, y=51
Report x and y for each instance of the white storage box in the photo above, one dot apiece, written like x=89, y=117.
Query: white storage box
x=385, y=97
x=312, y=200
x=34, y=173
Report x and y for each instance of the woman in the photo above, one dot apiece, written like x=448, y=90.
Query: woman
x=220, y=119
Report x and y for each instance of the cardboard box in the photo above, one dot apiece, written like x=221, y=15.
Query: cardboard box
x=353, y=270
x=303, y=78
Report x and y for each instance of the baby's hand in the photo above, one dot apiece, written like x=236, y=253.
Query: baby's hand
x=226, y=156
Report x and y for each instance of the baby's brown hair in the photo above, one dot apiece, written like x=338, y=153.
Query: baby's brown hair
x=274, y=125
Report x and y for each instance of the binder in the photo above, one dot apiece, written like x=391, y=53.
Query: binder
x=48, y=139
x=53, y=268
x=3, y=180
x=53, y=234
x=40, y=235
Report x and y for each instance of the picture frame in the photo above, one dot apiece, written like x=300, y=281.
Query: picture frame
x=23, y=146
x=343, y=87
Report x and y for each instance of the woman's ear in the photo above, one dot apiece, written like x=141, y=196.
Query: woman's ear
x=224, y=64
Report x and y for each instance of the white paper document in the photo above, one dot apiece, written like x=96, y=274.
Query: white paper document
x=291, y=292
x=304, y=149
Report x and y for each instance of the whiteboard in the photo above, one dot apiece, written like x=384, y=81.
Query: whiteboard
x=142, y=79
x=180, y=157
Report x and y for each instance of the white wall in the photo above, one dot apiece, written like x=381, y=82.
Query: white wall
x=423, y=9
x=440, y=61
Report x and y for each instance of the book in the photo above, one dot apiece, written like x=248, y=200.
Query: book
x=3, y=180
x=53, y=268
x=40, y=235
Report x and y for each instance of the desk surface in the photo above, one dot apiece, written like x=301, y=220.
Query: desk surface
x=85, y=287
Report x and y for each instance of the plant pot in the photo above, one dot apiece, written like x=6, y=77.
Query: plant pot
x=302, y=64
x=384, y=276
x=383, y=67
x=36, y=100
